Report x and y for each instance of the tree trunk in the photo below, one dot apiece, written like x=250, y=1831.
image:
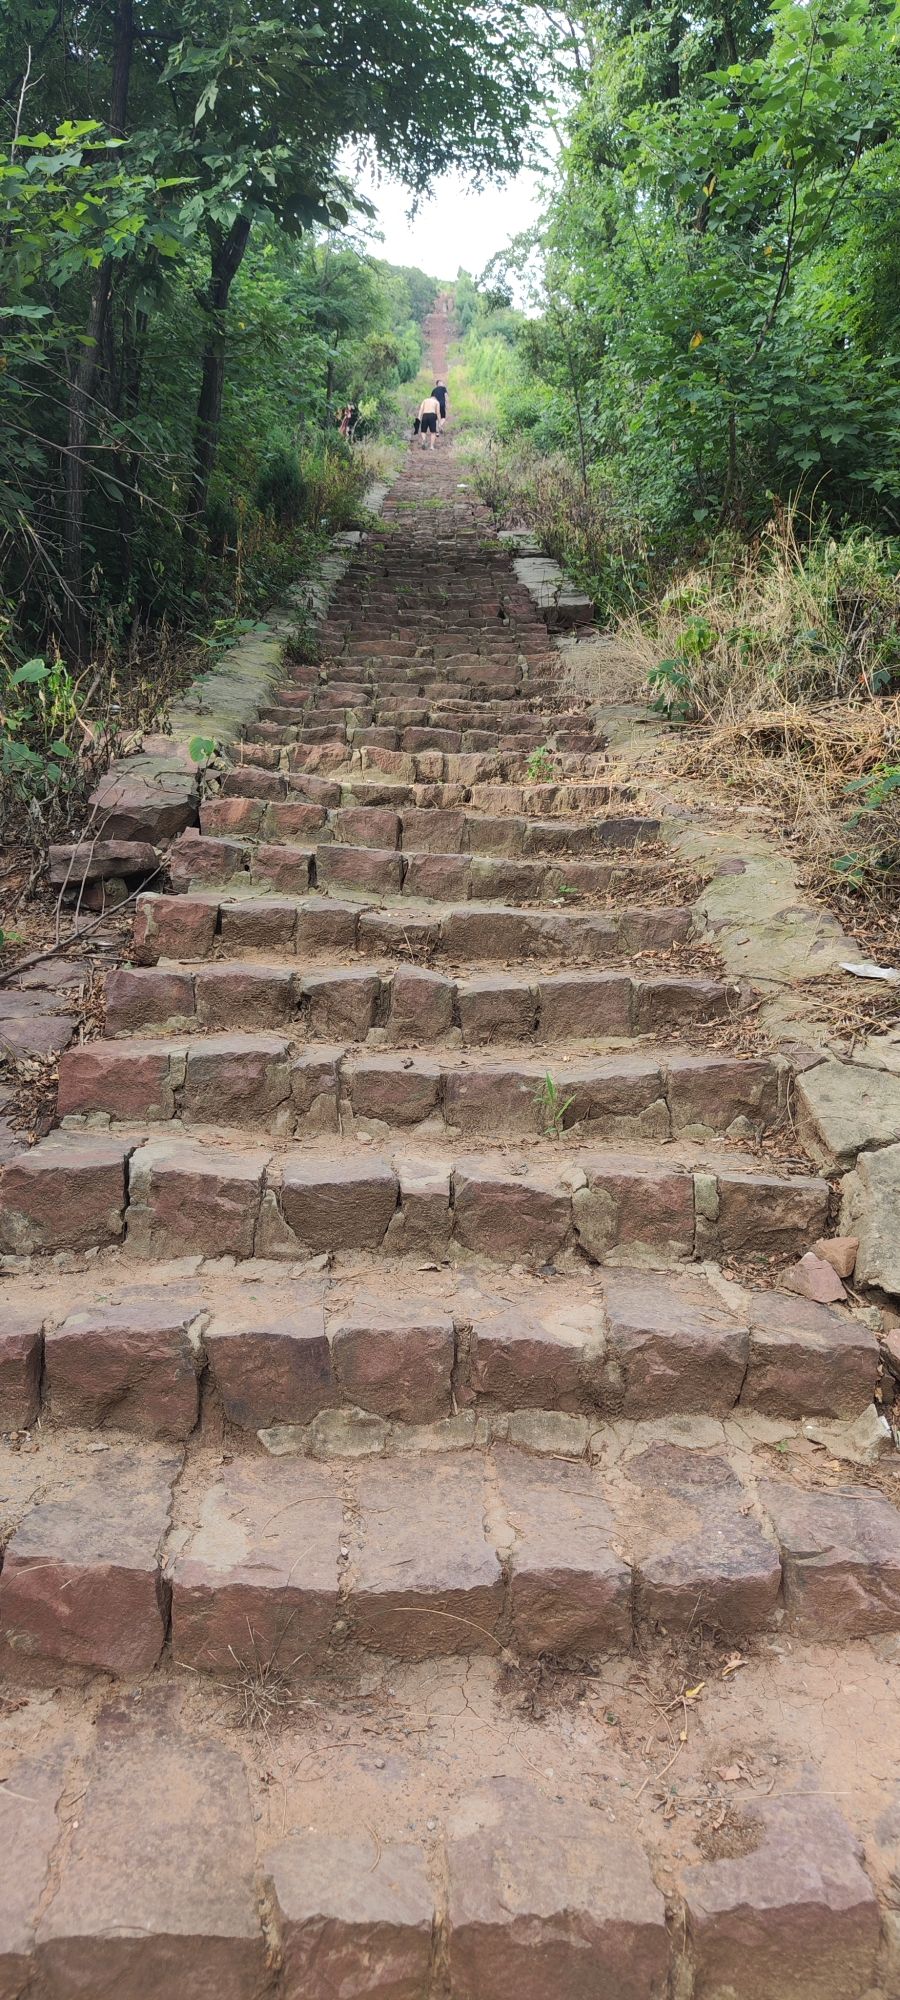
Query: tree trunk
x=85, y=373
x=227, y=252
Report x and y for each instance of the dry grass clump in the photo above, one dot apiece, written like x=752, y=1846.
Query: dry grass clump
x=787, y=656
x=780, y=623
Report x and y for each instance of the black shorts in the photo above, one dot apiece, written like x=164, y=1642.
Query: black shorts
x=429, y=423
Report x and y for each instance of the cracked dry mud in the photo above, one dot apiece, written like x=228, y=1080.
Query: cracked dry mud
x=417, y=1579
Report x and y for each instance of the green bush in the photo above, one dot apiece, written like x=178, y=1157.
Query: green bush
x=281, y=488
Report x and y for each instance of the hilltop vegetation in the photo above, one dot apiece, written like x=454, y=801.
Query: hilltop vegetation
x=699, y=407
x=185, y=302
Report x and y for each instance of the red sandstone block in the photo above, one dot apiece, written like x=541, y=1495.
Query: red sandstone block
x=673, y=1347
x=366, y=826
x=580, y=1005
x=441, y=877
x=269, y=1366
x=396, y=1363
x=569, y=1591
x=257, y=1582
x=147, y=999
x=342, y=1003
x=426, y=1582
x=421, y=1005
x=348, y=1925
x=496, y=1007
x=546, y=1898
x=259, y=923
x=700, y=1557
x=156, y=1896
x=807, y=1360
x=195, y=859
x=365, y=868
x=245, y=996
x=81, y=1584
x=841, y=1556
x=134, y=1365
x=296, y=819
x=285, y=867
x=188, y=1197
x=323, y=792
x=173, y=927
x=422, y=1224
x=520, y=1361
x=232, y=816
x=29, y=1832
x=653, y=930
x=68, y=1193
x=666, y=1001
x=633, y=1204
x=433, y=832
x=315, y=1090
x=237, y=1079
x=759, y=1213
x=500, y=834
x=20, y=1368
x=324, y=924
x=442, y=740
x=265, y=754
x=497, y=879
x=338, y=1204
x=508, y=1217
x=392, y=1089
x=250, y=781
x=126, y=1079
x=793, y=1913
x=496, y=1098
x=712, y=1090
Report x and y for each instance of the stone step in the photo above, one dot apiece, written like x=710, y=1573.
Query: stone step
x=411, y=1004
x=193, y=925
x=437, y=767
x=261, y=777
x=265, y=812
x=198, y=859
x=162, y=1356
x=171, y=1196
x=313, y=1567
x=411, y=1869
x=262, y=1080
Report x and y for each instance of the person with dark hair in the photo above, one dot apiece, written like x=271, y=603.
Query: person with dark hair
x=440, y=393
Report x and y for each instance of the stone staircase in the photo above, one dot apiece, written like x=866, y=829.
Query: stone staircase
x=397, y=1383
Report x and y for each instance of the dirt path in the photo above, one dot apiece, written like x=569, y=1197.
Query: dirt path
x=420, y=1578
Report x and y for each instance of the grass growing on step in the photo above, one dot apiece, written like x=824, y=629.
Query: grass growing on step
x=541, y=765
x=552, y=1106
x=263, y=1688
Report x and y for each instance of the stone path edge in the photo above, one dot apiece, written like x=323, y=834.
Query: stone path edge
x=153, y=793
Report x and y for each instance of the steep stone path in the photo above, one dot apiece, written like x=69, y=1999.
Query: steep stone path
x=397, y=1389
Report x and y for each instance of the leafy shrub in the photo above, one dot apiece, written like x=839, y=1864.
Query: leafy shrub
x=281, y=489
x=779, y=621
x=221, y=521
x=874, y=861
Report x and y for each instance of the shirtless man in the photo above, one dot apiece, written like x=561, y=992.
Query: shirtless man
x=429, y=411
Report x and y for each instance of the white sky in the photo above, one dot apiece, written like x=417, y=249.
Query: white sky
x=455, y=226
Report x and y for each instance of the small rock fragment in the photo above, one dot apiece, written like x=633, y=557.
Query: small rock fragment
x=814, y=1278
x=839, y=1252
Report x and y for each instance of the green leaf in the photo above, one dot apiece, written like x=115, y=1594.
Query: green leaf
x=32, y=672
